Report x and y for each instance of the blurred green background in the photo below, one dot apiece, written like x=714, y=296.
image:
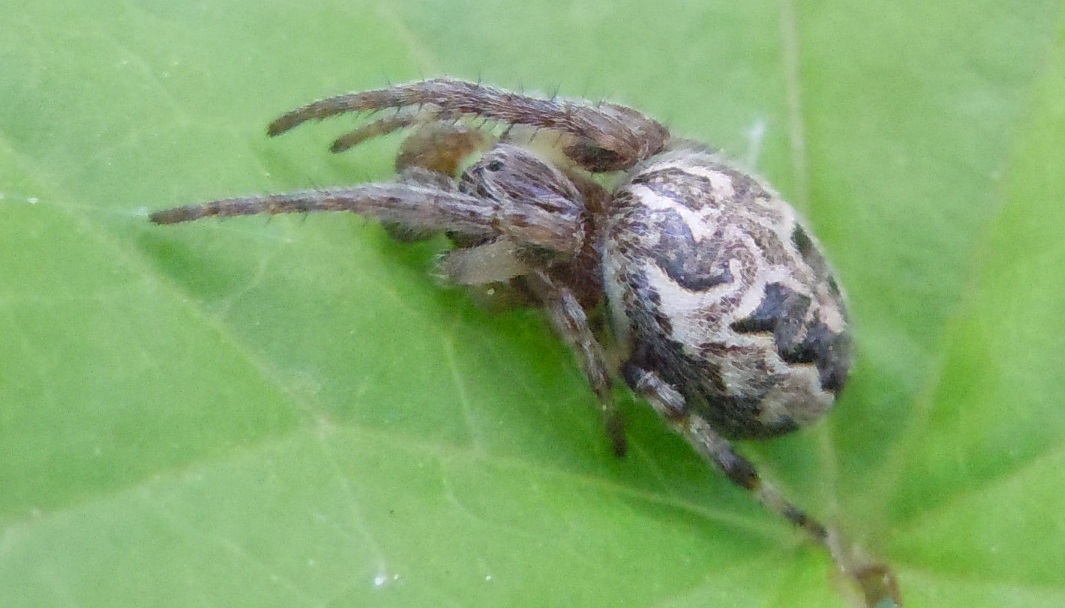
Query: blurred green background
x=289, y=412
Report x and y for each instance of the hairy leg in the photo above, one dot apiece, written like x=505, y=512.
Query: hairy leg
x=417, y=176
x=376, y=128
x=606, y=136
x=570, y=322
x=876, y=581
x=416, y=206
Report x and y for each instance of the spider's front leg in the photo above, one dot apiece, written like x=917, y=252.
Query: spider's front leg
x=599, y=136
x=416, y=206
x=508, y=194
x=876, y=581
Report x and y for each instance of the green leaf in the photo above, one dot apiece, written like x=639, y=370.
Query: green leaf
x=291, y=412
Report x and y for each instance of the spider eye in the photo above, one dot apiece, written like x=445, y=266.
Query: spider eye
x=495, y=165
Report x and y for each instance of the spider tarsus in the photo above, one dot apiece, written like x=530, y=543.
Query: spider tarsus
x=177, y=215
x=233, y=206
x=279, y=126
x=283, y=123
x=879, y=586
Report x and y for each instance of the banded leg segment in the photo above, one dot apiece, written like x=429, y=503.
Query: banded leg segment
x=876, y=581
x=671, y=405
x=570, y=322
x=608, y=137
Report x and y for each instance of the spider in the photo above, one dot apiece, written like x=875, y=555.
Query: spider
x=722, y=311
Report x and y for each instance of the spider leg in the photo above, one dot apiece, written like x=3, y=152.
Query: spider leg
x=417, y=176
x=604, y=136
x=570, y=322
x=876, y=581
x=416, y=206
x=376, y=128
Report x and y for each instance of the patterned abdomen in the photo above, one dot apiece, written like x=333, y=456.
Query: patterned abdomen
x=714, y=283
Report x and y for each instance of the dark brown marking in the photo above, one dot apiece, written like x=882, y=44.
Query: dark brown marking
x=833, y=356
x=738, y=469
x=694, y=266
x=783, y=313
x=593, y=157
x=799, y=518
x=778, y=303
x=804, y=243
x=811, y=254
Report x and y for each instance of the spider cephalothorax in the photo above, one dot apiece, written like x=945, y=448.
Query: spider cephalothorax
x=723, y=312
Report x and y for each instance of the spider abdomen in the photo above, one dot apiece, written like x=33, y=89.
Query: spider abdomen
x=714, y=283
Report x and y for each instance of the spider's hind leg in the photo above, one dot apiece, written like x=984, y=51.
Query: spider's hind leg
x=876, y=581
